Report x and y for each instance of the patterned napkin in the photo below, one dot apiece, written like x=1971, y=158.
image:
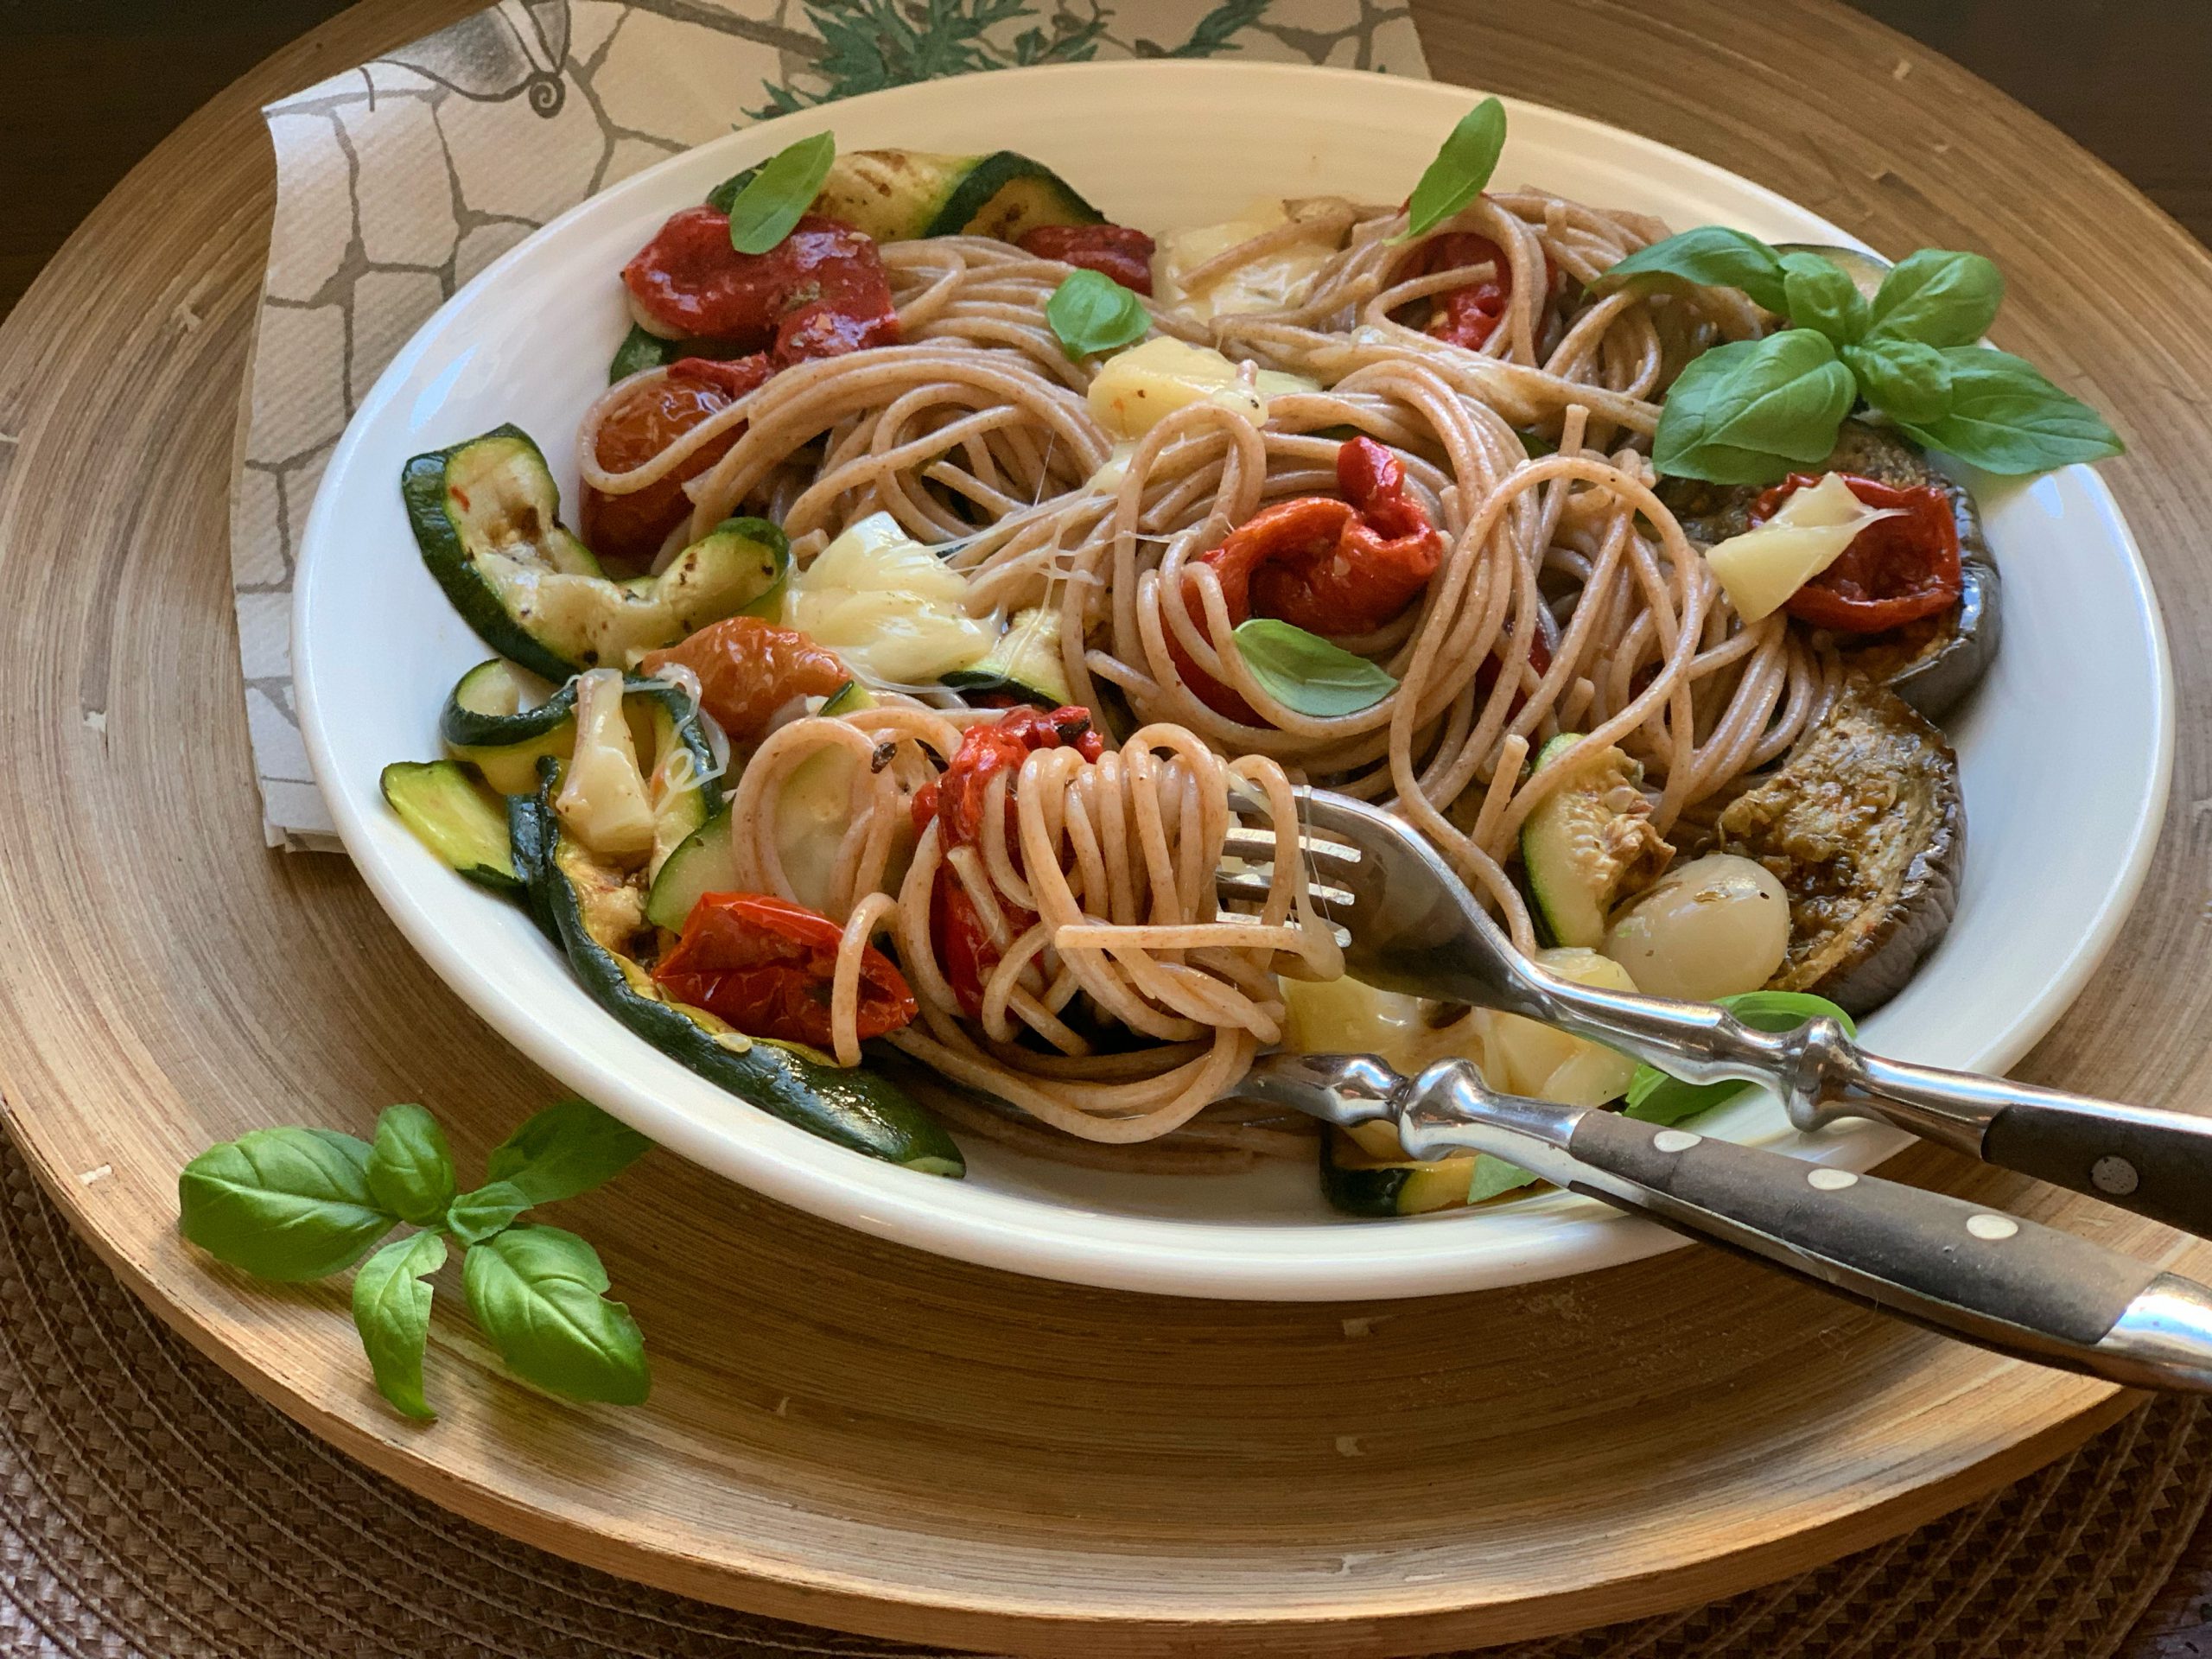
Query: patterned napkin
x=400, y=180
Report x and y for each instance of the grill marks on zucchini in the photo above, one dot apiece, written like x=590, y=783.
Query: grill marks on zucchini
x=487, y=515
x=898, y=195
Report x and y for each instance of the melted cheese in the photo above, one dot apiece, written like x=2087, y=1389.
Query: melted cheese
x=602, y=800
x=1763, y=566
x=889, y=607
x=1270, y=283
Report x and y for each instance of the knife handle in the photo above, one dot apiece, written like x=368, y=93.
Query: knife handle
x=2007, y=1284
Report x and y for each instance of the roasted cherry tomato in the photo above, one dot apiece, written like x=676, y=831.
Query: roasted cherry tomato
x=1113, y=250
x=749, y=668
x=819, y=292
x=1328, y=566
x=955, y=801
x=1895, y=571
x=644, y=421
x=768, y=966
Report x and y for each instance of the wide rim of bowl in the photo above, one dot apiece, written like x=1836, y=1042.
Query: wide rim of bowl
x=1061, y=1240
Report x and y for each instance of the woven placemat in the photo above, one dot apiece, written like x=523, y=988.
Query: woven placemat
x=151, y=1507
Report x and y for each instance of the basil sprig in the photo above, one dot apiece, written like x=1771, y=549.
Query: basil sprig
x=777, y=194
x=1462, y=168
x=1742, y=413
x=1306, y=674
x=1091, y=314
x=299, y=1204
x=1657, y=1098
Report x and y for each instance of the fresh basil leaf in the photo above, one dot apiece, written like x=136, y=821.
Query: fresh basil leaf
x=569, y=1147
x=1938, y=298
x=1710, y=256
x=777, y=196
x=410, y=1171
x=1657, y=1098
x=1462, y=168
x=1739, y=413
x=474, y=1216
x=1535, y=445
x=1091, y=312
x=284, y=1204
x=391, y=1310
x=2004, y=418
x=1904, y=378
x=538, y=1294
x=1306, y=674
x=1820, y=294
x=1493, y=1176
x=638, y=352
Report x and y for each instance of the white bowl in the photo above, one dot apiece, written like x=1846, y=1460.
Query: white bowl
x=2066, y=748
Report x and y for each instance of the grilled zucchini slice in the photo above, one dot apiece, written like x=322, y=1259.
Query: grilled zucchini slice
x=898, y=195
x=487, y=515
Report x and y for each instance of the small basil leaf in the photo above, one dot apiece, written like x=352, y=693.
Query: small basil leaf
x=538, y=1293
x=474, y=1216
x=1091, y=312
x=1710, y=256
x=1493, y=1176
x=1739, y=413
x=777, y=196
x=1938, y=298
x=410, y=1171
x=638, y=352
x=1460, y=170
x=1306, y=674
x=284, y=1204
x=391, y=1310
x=2004, y=418
x=1535, y=445
x=1657, y=1098
x=1821, y=294
x=569, y=1147
x=1904, y=378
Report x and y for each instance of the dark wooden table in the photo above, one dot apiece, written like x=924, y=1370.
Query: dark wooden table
x=87, y=86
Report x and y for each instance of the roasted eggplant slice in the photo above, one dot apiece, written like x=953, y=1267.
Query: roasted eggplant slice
x=1931, y=663
x=1866, y=828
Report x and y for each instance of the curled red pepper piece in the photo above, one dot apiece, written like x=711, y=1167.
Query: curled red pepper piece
x=644, y=421
x=957, y=801
x=1328, y=566
x=749, y=668
x=1113, y=250
x=1895, y=571
x=819, y=292
x=1468, y=316
x=768, y=967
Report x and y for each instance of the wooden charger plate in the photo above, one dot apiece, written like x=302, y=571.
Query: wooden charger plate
x=849, y=1433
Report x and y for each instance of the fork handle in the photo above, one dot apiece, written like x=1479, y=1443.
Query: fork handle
x=2149, y=1161
x=2153, y=1162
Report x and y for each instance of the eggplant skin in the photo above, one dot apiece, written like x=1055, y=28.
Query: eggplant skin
x=1932, y=664
x=1864, y=826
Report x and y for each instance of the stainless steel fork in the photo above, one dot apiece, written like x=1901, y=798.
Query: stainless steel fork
x=1414, y=927
x=1993, y=1279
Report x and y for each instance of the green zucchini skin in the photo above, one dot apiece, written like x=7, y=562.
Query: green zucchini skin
x=853, y=1109
x=422, y=487
x=476, y=736
x=968, y=200
x=1360, y=1192
x=529, y=843
x=898, y=195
